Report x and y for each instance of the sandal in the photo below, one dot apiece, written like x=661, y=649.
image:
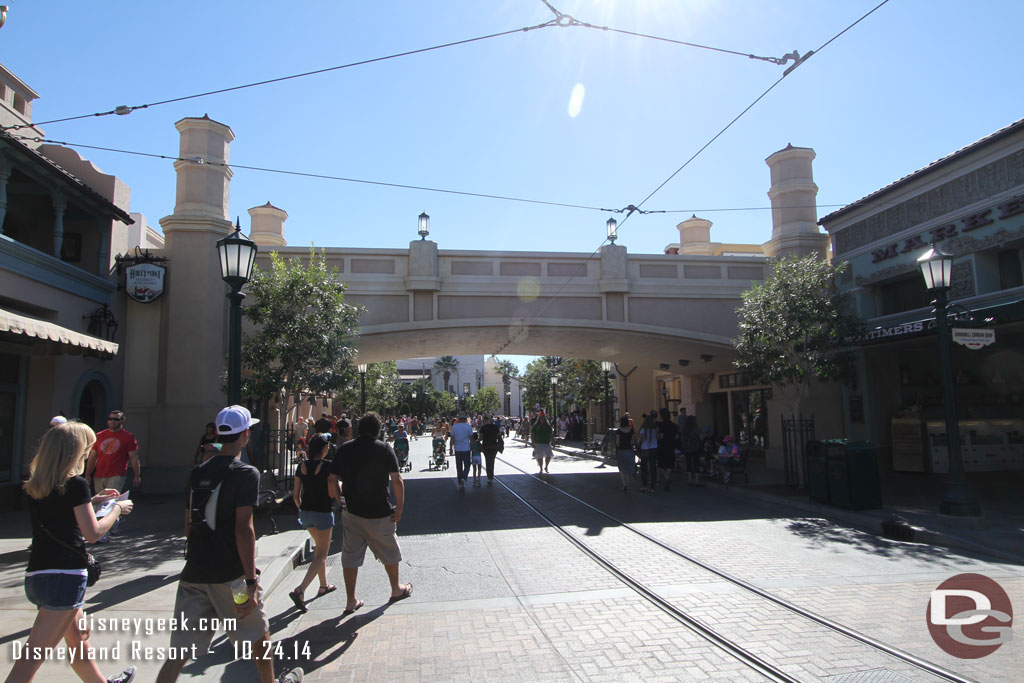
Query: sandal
x=406, y=592
x=300, y=604
x=324, y=590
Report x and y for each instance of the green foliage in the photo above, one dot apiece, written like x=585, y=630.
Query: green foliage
x=444, y=403
x=485, y=400
x=384, y=389
x=796, y=326
x=536, y=383
x=579, y=381
x=446, y=365
x=304, y=331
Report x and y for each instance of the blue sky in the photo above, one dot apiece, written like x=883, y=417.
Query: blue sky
x=911, y=83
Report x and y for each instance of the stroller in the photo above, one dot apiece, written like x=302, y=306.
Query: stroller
x=439, y=458
x=402, y=451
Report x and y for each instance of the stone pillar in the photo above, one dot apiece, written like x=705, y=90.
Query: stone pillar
x=194, y=343
x=423, y=272
x=614, y=268
x=267, y=225
x=695, y=236
x=793, y=195
x=60, y=204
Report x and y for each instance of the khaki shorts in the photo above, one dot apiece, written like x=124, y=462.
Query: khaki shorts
x=542, y=450
x=202, y=609
x=109, y=483
x=359, y=532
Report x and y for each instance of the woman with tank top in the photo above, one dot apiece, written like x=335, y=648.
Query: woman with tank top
x=313, y=501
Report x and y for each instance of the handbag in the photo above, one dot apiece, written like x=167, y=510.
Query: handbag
x=93, y=567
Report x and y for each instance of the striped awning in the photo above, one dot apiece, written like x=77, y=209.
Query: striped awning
x=40, y=329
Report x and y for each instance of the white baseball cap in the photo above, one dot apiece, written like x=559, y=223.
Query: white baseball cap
x=234, y=420
x=57, y=420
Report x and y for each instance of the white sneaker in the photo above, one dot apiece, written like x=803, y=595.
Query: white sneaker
x=293, y=676
x=126, y=676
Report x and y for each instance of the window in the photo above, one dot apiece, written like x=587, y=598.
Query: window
x=1009, y=269
x=903, y=295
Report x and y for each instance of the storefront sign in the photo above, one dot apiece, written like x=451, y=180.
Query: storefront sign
x=894, y=330
x=144, y=282
x=973, y=339
x=1014, y=207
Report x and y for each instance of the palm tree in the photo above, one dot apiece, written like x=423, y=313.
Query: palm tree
x=508, y=370
x=446, y=365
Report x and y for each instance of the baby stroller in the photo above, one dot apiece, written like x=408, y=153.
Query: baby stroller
x=439, y=458
x=402, y=451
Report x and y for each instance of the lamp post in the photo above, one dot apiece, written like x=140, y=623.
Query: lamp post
x=937, y=268
x=613, y=230
x=237, y=255
x=554, y=404
x=522, y=414
x=508, y=402
x=362, y=387
x=606, y=366
x=423, y=225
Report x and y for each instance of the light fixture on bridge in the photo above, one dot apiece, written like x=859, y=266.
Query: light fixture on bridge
x=424, y=225
x=684, y=362
x=706, y=357
x=663, y=366
x=613, y=230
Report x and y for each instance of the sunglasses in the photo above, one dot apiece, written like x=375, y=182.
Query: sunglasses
x=115, y=419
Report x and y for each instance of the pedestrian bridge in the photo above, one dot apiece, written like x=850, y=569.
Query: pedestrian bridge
x=645, y=310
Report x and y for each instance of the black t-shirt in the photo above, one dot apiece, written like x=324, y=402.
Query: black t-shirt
x=57, y=513
x=364, y=466
x=315, y=497
x=323, y=426
x=212, y=556
x=625, y=438
x=489, y=437
x=342, y=435
x=668, y=435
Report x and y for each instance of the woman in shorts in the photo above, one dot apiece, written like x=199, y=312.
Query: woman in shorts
x=60, y=505
x=315, y=514
x=626, y=435
x=540, y=435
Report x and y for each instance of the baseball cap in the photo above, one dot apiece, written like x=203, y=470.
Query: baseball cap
x=234, y=420
x=57, y=420
x=726, y=438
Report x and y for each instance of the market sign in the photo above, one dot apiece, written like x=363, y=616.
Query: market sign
x=973, y=339
x=144, y=282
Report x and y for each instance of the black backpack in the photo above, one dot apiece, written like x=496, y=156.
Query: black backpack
x=204, y=492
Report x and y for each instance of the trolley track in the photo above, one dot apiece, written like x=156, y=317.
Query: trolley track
x=718, y=639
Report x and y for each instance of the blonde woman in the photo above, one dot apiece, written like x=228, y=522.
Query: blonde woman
x=60, y=505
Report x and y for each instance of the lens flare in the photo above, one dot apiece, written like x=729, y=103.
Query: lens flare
x=576, y=100
x=528, y=289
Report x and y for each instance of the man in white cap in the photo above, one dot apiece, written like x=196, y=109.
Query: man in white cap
x=221, y=554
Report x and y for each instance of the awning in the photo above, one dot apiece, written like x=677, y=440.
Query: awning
x=40, y=329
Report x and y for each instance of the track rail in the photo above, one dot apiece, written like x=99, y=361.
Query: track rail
x=752, y=661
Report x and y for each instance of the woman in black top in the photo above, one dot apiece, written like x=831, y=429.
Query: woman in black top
x=626, y=455
x=205, y=451
x=315, y=514
x=60, y=505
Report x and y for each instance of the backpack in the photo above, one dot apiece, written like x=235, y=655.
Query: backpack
x=204, y=492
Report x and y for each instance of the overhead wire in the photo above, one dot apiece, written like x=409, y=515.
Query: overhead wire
x=717, y=135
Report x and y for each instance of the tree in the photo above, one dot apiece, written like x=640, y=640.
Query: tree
x=797, y=327
x=446, y=365
x=485, y=401
x=581, y=381
x=304, y=331
x=384, y=390
x=508, y=370
x=445, y=403
x=537, y=383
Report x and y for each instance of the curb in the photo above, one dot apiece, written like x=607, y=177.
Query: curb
x=868, y=522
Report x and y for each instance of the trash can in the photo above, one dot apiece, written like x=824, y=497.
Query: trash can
x=817, y=471
x=853, y=480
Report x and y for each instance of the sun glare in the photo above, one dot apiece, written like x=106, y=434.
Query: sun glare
x=576, y=100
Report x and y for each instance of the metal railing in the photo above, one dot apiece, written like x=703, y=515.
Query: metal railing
x=796, y=432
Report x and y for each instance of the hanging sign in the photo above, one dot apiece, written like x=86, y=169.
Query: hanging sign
x=973, y=339
x=144, y=282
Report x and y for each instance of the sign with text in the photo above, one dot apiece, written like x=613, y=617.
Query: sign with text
x=144, y=282
x=973, y=339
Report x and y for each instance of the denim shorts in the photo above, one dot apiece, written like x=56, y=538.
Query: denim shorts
x=321, y=520
x=56, y=591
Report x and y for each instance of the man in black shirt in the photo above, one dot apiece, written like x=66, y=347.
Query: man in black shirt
x=220, y=552
x=364, y=467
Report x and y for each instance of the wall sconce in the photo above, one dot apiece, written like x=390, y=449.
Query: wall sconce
x=684, y=362
x=706, y=357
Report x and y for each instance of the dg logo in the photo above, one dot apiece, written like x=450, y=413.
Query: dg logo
x=970, y=616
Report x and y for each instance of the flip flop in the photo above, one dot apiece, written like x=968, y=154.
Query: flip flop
x=359, y=603
x=406, y=592
x=300, y=604
x=325, y=590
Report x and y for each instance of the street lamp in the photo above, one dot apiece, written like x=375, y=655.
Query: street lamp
x=554, y=404
x=606, y=366
x=508, y=402
x=237, y=255
x=362, y=386
x=424, y=225
x=937, y=268
x=613, y=230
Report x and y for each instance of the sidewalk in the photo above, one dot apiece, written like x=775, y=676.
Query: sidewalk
x=139, y=580
x=912, y=496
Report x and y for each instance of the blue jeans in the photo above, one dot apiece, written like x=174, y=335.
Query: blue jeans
x=462, y=462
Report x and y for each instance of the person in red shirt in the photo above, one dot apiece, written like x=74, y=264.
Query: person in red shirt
x=115, y=449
